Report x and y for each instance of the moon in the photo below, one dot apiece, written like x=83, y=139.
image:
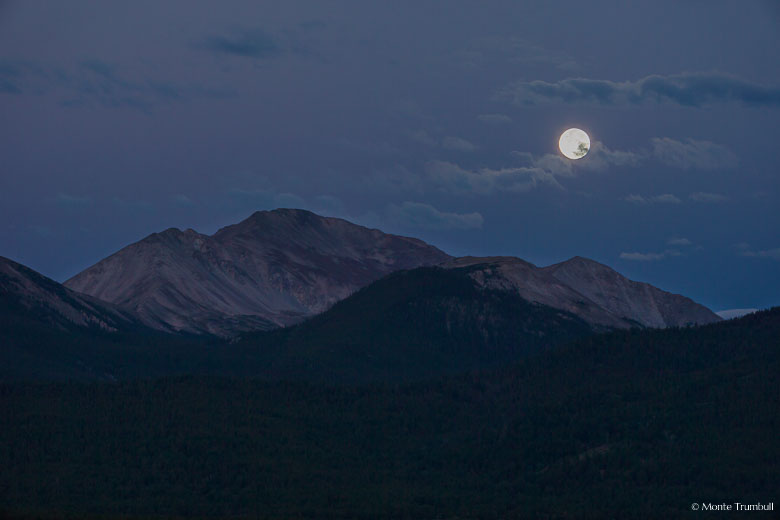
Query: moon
x=574, y=143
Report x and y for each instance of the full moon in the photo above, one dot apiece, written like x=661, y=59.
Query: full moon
x=574, y=143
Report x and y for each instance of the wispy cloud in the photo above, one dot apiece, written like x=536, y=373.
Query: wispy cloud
x=692, y=154
x=454, y=143
x=744, y=249
x=649, y=257
x=96, y=82
x=690, y=90
x=458, y=144
x=246, y=43
x=679, y=241
x=703, y=196
x=454, y=179
x=666, y=198
x=425, y=216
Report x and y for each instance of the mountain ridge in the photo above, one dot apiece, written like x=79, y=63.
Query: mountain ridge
x=274, y=268
x=277, y=268
x=588, y=289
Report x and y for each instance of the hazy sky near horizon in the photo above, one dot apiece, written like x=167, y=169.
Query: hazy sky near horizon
x=433, y=119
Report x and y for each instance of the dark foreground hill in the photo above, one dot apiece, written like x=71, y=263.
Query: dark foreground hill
x=631, y=424
x=409, y=325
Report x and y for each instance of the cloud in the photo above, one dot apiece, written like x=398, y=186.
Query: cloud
x=494, y=118
x=684, y=155
x=666, y=198
x=773, y=254
x=10, y=76
x=692, y=154
x=690, y=90
x=600, y=157
x=649, y=257
x=247, y=43
x=455, y=179
x=457, y=144
x=422, y=137
x=679, y=242
x=97, y=82
x=425, y=216
x=703, y=196
x=548, y=168
x=532, y=172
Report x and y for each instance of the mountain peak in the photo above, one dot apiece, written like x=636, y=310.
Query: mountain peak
x=637, y=301
x=272, y=269
x=591, y=290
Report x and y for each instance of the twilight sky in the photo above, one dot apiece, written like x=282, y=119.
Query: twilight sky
x=433, y=119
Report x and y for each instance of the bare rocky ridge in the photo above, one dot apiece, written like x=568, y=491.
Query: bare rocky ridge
x=26, y=291
x=273, y=269
x=279, y=267
x=594, y=292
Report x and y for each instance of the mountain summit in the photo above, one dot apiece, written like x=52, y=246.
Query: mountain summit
x=592, y=291
x=273, y=269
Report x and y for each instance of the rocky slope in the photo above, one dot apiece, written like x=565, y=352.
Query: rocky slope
x=596, y=293
x=274, y=268
x=26, y=294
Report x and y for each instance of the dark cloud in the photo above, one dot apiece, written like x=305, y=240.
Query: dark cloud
x=691, y=90
x=9, y=78
x=97, y=82
x=248, y=43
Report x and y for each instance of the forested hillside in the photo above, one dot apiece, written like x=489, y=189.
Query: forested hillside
x=631, y=424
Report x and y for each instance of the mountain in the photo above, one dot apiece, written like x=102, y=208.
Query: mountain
x=592, y=291
x=413, y=324
x=273, y=269
x=730, y=314
x=48, y=331
x=277, y=268
x=635, y=301
x=28, y=296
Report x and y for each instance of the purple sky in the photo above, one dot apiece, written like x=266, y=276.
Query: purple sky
x=433, y=119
